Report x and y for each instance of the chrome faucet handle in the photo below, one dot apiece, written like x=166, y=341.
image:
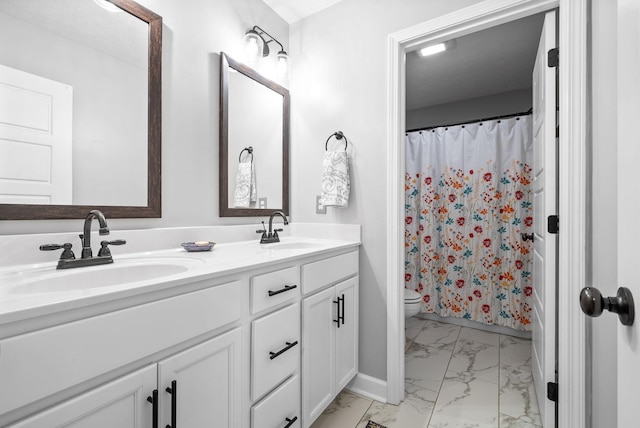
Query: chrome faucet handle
x=104, y=247
x=67, y=254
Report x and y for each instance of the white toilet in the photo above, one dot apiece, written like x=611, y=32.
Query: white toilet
x=412, y=300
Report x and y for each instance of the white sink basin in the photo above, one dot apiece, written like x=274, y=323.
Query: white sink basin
x=50, y=280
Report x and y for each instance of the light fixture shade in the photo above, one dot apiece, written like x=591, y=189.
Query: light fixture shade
x=254, y=44
x=283, y=60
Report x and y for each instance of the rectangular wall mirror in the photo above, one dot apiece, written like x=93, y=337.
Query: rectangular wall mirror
x=80, y=109
x=254, y=139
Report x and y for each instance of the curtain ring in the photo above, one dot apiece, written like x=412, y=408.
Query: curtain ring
x=246, y=149
x=339, y=136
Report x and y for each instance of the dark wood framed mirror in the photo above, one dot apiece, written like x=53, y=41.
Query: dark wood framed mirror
x=105, y=36
x=254, y=129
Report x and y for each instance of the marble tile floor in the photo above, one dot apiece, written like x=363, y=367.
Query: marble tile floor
x=455, y=377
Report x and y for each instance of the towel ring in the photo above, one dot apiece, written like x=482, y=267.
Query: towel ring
x=339, y=136
x=246, y=149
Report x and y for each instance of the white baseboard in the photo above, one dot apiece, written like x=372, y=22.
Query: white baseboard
x=369, y=387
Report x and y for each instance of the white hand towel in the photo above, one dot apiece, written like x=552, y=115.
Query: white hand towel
x=246, y=191
x=335, y=179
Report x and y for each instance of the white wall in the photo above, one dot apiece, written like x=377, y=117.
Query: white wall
x=194, y=33
x=604, y=200
x=339, y=82
x=500, y=104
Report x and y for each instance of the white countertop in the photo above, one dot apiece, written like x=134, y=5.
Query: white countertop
x=18, y=302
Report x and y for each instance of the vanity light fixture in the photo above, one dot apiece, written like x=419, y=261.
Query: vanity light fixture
x=258, y=46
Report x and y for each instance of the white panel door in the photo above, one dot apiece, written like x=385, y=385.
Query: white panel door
x=544, y=201
x=207, y=384
x=35, y=139
x=628, y=207
x=121, y=403
x=347, y=333
x=318, y=354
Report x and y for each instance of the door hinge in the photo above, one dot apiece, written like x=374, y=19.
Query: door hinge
x=552, y=391
x=553, y=58
x=553, y=224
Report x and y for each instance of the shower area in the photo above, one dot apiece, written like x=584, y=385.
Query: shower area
x=468, y=219
x=469, y=212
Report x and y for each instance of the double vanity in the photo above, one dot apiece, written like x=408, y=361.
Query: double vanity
x=246, y=335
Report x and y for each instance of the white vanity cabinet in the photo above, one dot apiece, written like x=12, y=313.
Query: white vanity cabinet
x=204, y=385
x=275, y=349
x=330, y=331
x=47, y=363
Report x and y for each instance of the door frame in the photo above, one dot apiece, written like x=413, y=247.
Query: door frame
x=572, y=36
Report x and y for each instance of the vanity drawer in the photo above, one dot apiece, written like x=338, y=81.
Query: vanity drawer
x=275, y=348
x=274, y=288
x=47, y=361
x=319, y=274
x=279, y=408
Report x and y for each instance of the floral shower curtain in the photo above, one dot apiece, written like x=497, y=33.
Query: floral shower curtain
x=468, y=200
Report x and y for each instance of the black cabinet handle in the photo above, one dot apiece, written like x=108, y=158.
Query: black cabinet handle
x=154, y=400
x=341, y=317
x=173, y=390
x=337, y=321
x=282, y=290
x=290, y=421
x=290, y=345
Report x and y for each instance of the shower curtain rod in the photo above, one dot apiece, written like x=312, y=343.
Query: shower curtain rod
x=505, y=116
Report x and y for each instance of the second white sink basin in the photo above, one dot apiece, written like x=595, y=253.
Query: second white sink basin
x=123, y=271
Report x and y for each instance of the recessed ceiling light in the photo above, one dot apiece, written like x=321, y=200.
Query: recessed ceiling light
x=433, y=49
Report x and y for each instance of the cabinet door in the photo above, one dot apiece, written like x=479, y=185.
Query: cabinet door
x=318, y=353
x=200, y=387
x=347, y=333
x=121, y=403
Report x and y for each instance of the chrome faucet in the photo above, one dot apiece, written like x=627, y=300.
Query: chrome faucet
x=86, y=235
x=68, y=259
x=272, y=235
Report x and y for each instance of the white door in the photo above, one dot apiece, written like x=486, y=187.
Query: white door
x=347, y=333
x=628, y=207
x=121, y=403
x=35, y=139
x=207, y=385
x=318, y=353
x=544, y=202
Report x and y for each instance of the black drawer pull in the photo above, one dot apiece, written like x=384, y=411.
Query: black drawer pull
x=290, y=345
x=341, y=316
x=174, y=403
x=337, y=302
x=282, y=290
x=290, y=421
x=154, y=400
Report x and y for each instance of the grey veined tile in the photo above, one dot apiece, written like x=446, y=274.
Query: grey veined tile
x=413, y=412
x=514, y=351
x=438, y=334
x=425, y=366
x=517, y=396
x=413, y=326
x=507, y=421
x=345, y=411
x=471, y=403
x=480, y=336
x=475, y=360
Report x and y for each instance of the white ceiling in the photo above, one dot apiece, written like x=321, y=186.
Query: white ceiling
x=295, y=10
x=495, y=60
x=499, y=59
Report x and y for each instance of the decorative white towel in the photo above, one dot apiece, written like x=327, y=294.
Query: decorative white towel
x=245, y=185
x=335, y=179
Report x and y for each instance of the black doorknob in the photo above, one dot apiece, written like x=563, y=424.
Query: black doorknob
x=593, y=304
